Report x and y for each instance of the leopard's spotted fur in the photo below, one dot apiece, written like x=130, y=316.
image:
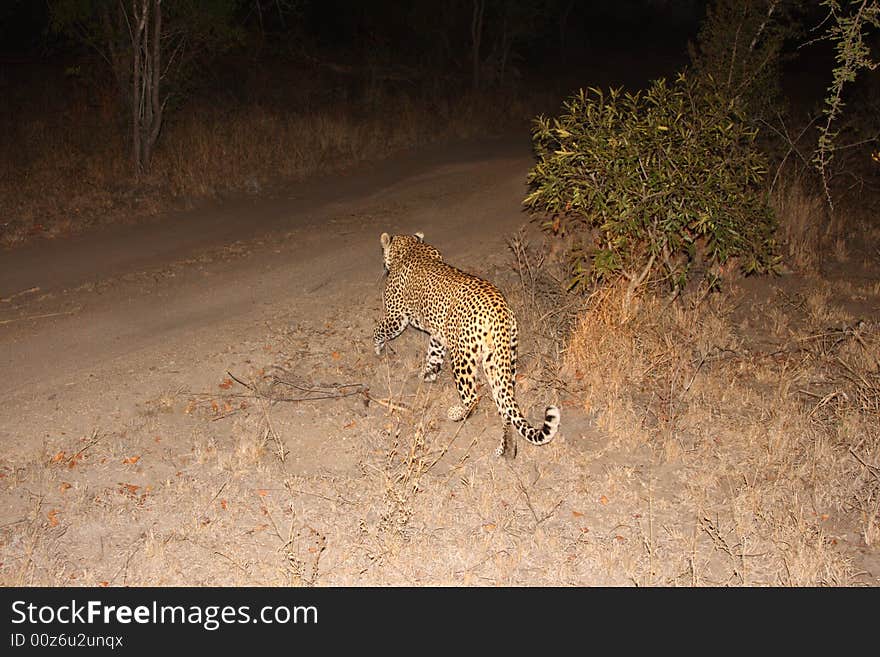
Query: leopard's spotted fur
x=468, y=319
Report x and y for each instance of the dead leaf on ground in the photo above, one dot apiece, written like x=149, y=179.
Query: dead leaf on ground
x=131, y=460
x=227, y=384
x=53, y=518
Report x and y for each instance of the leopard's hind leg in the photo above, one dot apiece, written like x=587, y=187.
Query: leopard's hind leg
x=434, y=360
x=464, y=369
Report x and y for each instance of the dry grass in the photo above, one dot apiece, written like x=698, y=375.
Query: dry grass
x=714, y=440
x=780, y=448
x=803, y=222
x=651, y=346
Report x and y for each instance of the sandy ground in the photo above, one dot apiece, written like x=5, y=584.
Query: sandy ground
x=195, y=401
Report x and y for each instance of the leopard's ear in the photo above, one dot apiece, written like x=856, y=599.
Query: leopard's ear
x=420, y=235
x=385, y=238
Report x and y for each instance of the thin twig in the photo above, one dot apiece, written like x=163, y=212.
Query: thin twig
x=239, y=381
x=216, y=495
x=337, y=499
x=30, y=290
x=322, y=388
x=528, y=499
x=455, y=468
x=358, y=388
x=124, y=567
x=388, y=403
x=92, y=441
x=873, y=470
x=44, y=316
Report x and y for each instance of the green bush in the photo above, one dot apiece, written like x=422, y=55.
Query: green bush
x=654, y=178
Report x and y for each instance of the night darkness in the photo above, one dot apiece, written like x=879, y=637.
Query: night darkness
x=551, y=46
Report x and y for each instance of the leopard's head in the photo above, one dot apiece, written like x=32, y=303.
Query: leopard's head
x=397, y=248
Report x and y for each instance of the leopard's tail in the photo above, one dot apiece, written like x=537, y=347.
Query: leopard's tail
x=535, y=436
x=505, y=399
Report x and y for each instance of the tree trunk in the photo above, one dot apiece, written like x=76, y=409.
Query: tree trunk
x=154, y=124
x=146, y=104
x=137, y=35
x=506, y=44
x=476, y=38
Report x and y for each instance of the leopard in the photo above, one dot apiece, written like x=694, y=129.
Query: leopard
x=468, y=321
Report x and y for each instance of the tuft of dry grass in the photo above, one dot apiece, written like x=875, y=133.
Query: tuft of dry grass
x=779, y=450
x=803, y=220
x=648, y=345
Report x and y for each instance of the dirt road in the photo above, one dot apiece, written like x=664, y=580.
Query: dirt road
x=114, y=311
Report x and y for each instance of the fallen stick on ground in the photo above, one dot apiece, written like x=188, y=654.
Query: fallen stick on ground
x=330, y=391
x=23, y=319
x=30, y=290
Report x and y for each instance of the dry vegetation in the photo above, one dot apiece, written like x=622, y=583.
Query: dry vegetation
x=767, y=401
x=65, y=168
x=721, y=439
x=775, y=440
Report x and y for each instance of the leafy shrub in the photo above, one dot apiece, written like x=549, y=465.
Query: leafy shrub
x=659, y=178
